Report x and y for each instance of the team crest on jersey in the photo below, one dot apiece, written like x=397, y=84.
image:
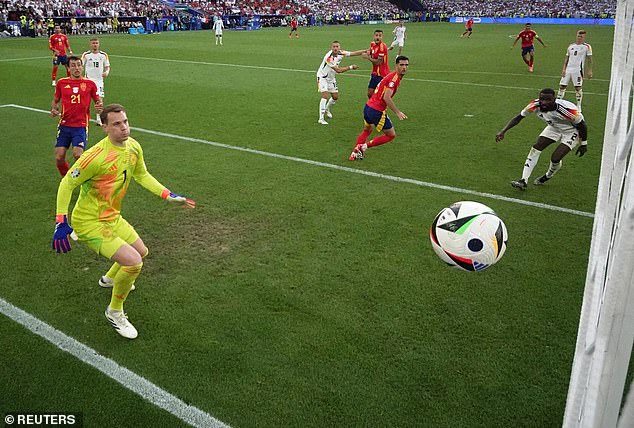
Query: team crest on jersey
x=75, y=173
x=75, y=90
x=82, y=86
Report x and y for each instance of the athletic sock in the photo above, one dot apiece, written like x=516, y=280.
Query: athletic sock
x=122, y=284
x=579, y=95
x=553, y=168
x=331, y=102
x=322, y=107
x=62, y=167
x=363, y=136
x=531, y=161
x=382, y=139
x=561, y=93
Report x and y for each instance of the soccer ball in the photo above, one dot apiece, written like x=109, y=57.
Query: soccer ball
x=468, y=236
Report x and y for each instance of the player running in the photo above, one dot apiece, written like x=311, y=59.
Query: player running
x=468, y=29
x=577, y=55
x=564, y=124
x=75, y=94
x=377, y=55
x=528, y=49
x=326, y=78
x=58, y=43
x=97, y=67
x=399, y=37
x=375, y=114
x=104, y=173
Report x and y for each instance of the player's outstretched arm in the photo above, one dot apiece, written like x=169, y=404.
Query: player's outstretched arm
x=500, y=135
x=357, y=53
x=178, y=199
x=344, y=69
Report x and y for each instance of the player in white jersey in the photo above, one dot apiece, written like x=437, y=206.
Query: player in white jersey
x=578, y=55
x=564, y=124
x=218, y=26
x=97, y=67
x=326, y=78
x=399, y=37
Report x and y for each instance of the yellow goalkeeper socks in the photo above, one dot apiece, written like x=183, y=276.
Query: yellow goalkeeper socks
x=113, y=271
x=122, y=284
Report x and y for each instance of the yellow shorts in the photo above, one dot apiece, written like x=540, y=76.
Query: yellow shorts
x=105, y=237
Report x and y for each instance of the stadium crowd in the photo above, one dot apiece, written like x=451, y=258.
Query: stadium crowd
x=511, y=8
x=35, y=16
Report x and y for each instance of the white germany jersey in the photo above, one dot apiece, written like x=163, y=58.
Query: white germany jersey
x=95, y=64
x=562, y=118
x=577, y=56
x=330, y=61
x=218, y=26
x=399, y=33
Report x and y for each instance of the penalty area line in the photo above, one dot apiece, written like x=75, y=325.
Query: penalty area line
x=130, y=380
x=350, y=170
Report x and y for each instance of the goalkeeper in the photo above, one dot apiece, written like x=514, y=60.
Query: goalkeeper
x=104, y=173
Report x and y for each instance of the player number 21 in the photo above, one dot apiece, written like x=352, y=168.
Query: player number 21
x=75, y=99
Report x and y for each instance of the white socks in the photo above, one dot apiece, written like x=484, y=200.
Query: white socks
x=322, y=107
x=331, y=102
x=531, y=161
x=553, y=168
x=579, y=95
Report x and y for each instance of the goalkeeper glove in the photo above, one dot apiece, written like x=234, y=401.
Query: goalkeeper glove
x=582, y=149
x=61, y=244
x=173, y=197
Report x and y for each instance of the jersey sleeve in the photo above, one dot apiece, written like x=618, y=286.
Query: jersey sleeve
x=106, y=61
x=589, y=53
x=530, y=108
x=83, y=170
x=94, y=92
x=144, y=178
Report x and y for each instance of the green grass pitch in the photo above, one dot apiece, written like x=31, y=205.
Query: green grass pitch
x=297, y=295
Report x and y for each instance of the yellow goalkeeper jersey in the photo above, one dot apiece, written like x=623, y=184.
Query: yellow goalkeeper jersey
x=104, y=173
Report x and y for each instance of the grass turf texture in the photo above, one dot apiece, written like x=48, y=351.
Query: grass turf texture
x=296, y=295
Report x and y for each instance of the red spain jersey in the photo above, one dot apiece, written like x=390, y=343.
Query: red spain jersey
x=469, y=23
x=58, y=42
x=379, y=51
x=75, y=95
x=391, y=81
x=294, y=23
x=527, y=37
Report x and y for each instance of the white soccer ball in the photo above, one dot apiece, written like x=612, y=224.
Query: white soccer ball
x=468, y=236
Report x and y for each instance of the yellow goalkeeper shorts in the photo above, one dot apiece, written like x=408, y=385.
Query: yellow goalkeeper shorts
x=105, y=237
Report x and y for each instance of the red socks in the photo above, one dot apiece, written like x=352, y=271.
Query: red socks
x=62, y=167
x=381, y=140
x=54, y=73
x=363, y=136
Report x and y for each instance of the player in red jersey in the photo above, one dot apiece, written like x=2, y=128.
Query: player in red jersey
x=58, y=43
x=377, y=55
x=375, y=114
x=293, y=28
x=528, y=50
x=75, y=93
x=468, y=29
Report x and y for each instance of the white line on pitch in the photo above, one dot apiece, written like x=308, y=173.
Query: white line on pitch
x=135, y=383
x=24, y=59
x=295, y=70
x=348, y=169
